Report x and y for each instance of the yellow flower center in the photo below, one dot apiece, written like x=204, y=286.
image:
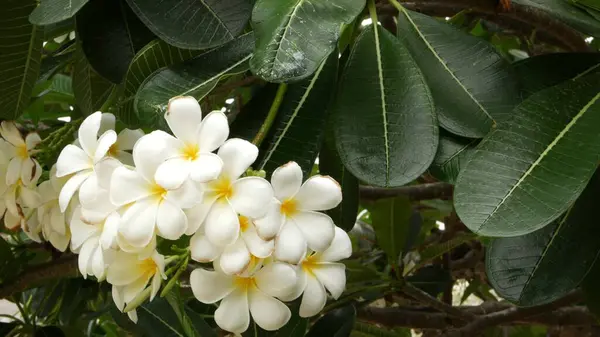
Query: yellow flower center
x=22, y=151
x=158, y=191
x=289, y=207
x=243, y=283
x=222, y=187
x=148, y=267
x=190, y=152
x=113, y=150
x=244, y=222
x=310, y=263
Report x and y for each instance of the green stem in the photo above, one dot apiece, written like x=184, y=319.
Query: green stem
x=264, y=129
x=372, y=12
x=397, y=5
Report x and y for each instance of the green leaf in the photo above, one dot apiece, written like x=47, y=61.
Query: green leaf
x=158, y=319
x=252, y=116
x=391, y=221
x=528, y=171
x=293, y=37
x=543, y=266
x=194, y=24
x=195, y=77
x=384, y=116
x=336, y=323
x=437, y=250
x=452, y=154
x=57, y=29
x=431, y=279
x=91, y=90
x=534, y=75
x=53, y=11
x=110, y=35
x=566, y=12
x=472, y=85
x=296, y=133
x=157, y=54
x=201, y=328
x=21, y=45
x=344, y=215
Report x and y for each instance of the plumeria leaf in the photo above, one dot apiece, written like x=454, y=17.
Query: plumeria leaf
x=384, y=112
x=536, y=160
x=452, y=154
x=519, y=267
x=21, y=44
x=194, y=24
x=566, y=12
x=472, y=85
x=195, y=77
x=252, y=116
x=296, y=133
x=336, y=323
x=110, y=35
x=53, y=11
x=391, y=220
x=91, y=90
x=158, y=318
x=155, y=55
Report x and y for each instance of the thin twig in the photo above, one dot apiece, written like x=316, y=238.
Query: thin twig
x=434, y=303
x=414, y=192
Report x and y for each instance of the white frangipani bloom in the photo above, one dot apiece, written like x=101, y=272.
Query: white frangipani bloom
x=21, y=195
x=297, y=205
x=150, y=205
x=228, y=195
x=320, y=271
x=55, y=224
x=240, y=296
x=189, y=152
x=19, y=151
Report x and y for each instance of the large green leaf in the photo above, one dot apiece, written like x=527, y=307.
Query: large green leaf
x=159, y=319
x=195, y=77
x=157, y=54
x=566, y=12
x=110, y=35
x=452, y=154
x=91, y=90
x=534, y=75
x=544, y=265
x=297, y=131
x=344, y=215
x=530, y=169
x=472, y=85
x=336, y=323
x=391, y=220
x=20, y=54
x=194, y=24
x=293, y=37
x=253, y=114
x=53, y=11
x=384, y=115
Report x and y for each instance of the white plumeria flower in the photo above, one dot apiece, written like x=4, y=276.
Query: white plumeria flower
x=94, y=243
x=254, y=293
x=55, y=224
x=151, y=207
x=28, y=223
x=296, y=206
x=131, y=274
x=117, y=295
x=189, y=152
x=21, y=164
x=320, y=271
x=229, y=195
x=126, y=139
x=21, y=195
x=236, y=257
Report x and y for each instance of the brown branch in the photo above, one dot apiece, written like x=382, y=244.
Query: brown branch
x=414, y=192
x=432, y=302
x=64, y=267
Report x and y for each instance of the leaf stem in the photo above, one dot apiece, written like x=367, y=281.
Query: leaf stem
x=264, y=129
x=372, y=12
x=396, y=4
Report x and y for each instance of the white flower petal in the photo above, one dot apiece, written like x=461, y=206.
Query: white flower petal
x=156, y=281
x=186, y=196
x=332, y=276
x=127, y=186
x=257, y=246
x=123, y=271
x=104, y=170
x=80, y=231
x=286, y=180
x=232, y=314
x=88, y=133
x=206, y=167
x=57, y=221
x=118, y=298
x=222, y=225
x=317, y=228
x=238, y=155
x=276, y=279
x=250, y=195
x=210, y=286
x=72, y=185
x=184, y=117
x=340, y=248
x=32, y=140
x=172, y=173
x=171, y=222
x=213, y=131
x=13, y=172
x=89, y=191
x=235, y=258
x=72, y=159
x=85, y=257
x=152, y=150
x=30, y=198
x=314, y=298
x=124, y=157
x=290, y=245
x=108, y=238
x=138, y=222
x=202, y=250
x=9, y=131
x=98, y=266
x=30, y=172
x=267, y=312
x=319, y=193
x=12, y=221
x=269, y=225
x=198, y=213
x=105, y=141
x=300, y=285
x=131, y=290
x=59, y=241
x=127, y=138
x=133, y=316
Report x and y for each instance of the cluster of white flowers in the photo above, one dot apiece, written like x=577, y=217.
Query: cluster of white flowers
x=112, y=195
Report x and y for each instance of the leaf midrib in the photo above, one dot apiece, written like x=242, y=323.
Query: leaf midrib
x=285, y=29
x=218, y=75
x=383, y=106
x=27, y=70
x=543, y=155
x=162, y=321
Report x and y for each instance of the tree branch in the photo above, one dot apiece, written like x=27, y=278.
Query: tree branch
x=414, y=192
x=64, y=267
x=432, y=302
